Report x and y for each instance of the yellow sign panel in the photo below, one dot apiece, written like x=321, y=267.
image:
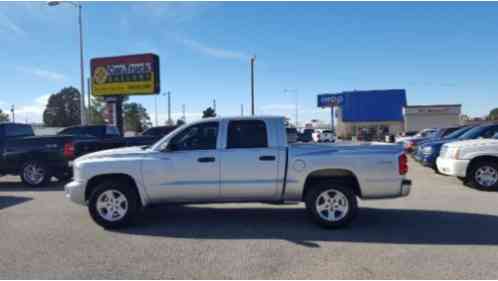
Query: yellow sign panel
x=124, y=88
x=125, y=75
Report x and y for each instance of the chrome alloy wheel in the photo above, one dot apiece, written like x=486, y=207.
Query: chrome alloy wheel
x=486, y=176
x=332, y=205
x=112, y=205
x=34, y=173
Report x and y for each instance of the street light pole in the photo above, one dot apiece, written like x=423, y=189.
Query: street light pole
x=82, y=70
x=252, y=84
x=170, y=122
x=296, y=93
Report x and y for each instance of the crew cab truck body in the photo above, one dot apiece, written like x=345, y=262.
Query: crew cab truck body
x=474, y=161
x=35, y=158
x=246, y=159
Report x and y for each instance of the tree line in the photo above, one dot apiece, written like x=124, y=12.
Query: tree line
x=63, y=110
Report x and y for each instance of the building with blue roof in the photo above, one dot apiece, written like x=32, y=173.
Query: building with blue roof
x=366, y=114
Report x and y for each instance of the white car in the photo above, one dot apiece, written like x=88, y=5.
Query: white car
x=243, y=159
x=327, y=136
x=425, y=133
x=475, y=161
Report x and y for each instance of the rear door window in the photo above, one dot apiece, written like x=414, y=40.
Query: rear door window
x=247, y=134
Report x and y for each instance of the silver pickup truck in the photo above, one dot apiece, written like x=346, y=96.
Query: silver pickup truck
x=243, y=159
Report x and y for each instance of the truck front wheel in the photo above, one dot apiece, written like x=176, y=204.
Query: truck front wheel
x=113, y=204
x=331, y=206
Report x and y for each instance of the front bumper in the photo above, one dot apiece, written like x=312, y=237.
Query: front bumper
x=452, y=167
x=406, y=186
x=75, y=191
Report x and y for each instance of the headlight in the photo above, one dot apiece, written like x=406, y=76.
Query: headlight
x=427, y=150
x=454, y=153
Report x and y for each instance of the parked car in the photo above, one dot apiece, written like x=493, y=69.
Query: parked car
x=244, y=159
x=474, y=161
x=150, y=136
x=327, y=136
x=292, y=135
x=412, y=144
x=37, y=159
x=110, y=137
x=405, y=135
x=306, y=135
x=428, y=151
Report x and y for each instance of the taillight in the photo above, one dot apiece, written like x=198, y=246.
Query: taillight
x=403, y=164
x=69, y=150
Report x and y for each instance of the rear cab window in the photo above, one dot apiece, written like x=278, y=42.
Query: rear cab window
x=18, y=130
x=247, y=134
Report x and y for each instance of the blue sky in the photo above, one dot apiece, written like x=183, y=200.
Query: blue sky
x=438, y=52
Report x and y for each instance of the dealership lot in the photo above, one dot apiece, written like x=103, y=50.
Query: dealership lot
x=442, y=230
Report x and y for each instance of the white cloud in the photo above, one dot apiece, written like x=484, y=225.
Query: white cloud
x=215, y=52
x=173, y=12
x=8, y=26
x=42, y=73
x=32, y=113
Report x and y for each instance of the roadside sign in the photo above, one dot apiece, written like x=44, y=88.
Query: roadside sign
x=330, y=100
x=125, y=75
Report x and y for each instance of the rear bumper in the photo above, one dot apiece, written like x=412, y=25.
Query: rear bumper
x=75, y=191
x=452, y=167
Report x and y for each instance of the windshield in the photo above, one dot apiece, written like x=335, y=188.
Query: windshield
x=457, y=133
x=472, y=133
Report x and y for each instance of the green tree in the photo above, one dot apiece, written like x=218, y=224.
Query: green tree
x=4, y=117
x=209, y=112
x=63, y=108
x=493, y=114
x=136, y=117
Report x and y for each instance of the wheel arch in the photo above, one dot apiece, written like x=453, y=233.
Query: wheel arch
x=96, y=180
x=478, y=159
x=343, y=176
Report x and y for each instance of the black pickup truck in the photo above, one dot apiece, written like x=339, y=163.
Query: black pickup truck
x=110, y=137
x=37, y=158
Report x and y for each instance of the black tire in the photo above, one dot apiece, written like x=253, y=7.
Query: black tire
x=117, y=188
x=478, y=167
x=28, y=177
x=315, y=193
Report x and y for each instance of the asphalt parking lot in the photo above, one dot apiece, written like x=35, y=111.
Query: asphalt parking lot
x=443, y=230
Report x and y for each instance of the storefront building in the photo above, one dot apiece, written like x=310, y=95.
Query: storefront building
x=419, y=117
x=366, y=114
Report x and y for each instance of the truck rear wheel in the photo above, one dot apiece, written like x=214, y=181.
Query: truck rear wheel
x=35, y=174
x=113, y=204
x=331, y=205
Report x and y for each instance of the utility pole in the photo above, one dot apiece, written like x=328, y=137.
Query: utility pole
x=89, y=104
x=13, y=110
x=214, y=105
x=252, y=84
x=241, y=110
x=296, y=93
x=82, y=79
x=183, y=114
x=170, y=122
x=155, y=109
